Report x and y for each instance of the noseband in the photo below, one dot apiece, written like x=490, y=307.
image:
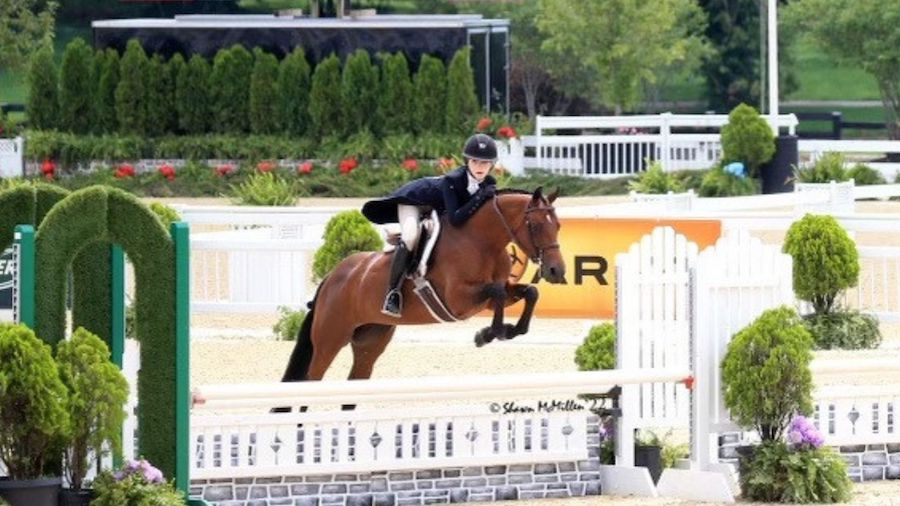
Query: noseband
x=537, y=255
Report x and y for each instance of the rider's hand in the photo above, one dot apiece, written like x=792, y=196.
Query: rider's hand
x=489, y=190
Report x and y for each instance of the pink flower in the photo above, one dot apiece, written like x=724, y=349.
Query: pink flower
x=507, y=132
x=347, y=165
x=125, y=170
x=167, y=171
x=411, y=164
x=224, y=169
x=48, y=168
x=265, y=166
x=483, y=124
x=305, y=168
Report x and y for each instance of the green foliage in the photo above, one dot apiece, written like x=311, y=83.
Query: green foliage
x=161, y=116
x=718, y=183
x=825, y=260
x=264, y=97
x=229, y=86
x=670, y=452
x=288, y=325
x=43, y=101
x=33, y=419
x=598, y=350
x=293, y=85
x=131, y=93
x=776, y=473
x=864, y=175
x=192, y=96
x=105, y=95
x=264, y=189
x=359, y=89
x=430, y=98
x=830, y=167
x=166, y=214
x=847, y=330
x=348, y=232
x=462, y=103
x=395, y=99
x=765, y=373
x=747, y=138
x=76, y=88
x=97, y=395
x=173, y=68
x=139, y=485
x=25, y=26
x=326, y=107
x=655, y=180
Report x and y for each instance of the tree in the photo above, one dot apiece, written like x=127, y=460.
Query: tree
x=293, y=85
x=396, y=95
x=25, y=27
x=106, y=78
x=857, y=32
x=229, y=89
x=76, y=88
x=173, y=69
x=131, y=105
x=430, y=99
x=192, y=97
x=620, y=45
x=264, y=110
x=42, y=104
x=160, y=113
x=462, y=104
x=359, y=87
x=325, y=98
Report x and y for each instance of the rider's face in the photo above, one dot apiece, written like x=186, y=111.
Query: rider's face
x=480, y=168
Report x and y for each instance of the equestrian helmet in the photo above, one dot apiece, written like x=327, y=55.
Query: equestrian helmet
x=481, y=147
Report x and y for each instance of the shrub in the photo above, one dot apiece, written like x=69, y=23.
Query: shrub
x=131, y=105
x=825, y=260
x=776, y=473
x=43, y=99
x=848, y=330
x=108, y=80
x=288, y=325
x=718, y=183
x=293, y=85
x=348, y=232
x=747, y=138
x=462, y=103
x=192, y=96
x=359, y=88
x=160, y=113
x=137, y=483
x=655, y=180
x=864, y=175
x=229, y=85
x=325, y=99
x=765, y=373
x=97, y=395
x=598, y=350
x=264, y=189
x=264, y=108
x=830, y=167
x=76, y=88
x=33, y=419
x=166, y=214
x=396, y=95
x=174, y=67
x=430, y=100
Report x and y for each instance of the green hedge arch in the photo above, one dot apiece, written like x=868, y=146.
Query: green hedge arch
x=106, y=215
x=26, y=204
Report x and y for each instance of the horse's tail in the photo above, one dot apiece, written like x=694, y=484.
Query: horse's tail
x=301, y=357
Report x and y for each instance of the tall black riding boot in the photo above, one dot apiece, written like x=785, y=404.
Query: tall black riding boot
x=393, y=302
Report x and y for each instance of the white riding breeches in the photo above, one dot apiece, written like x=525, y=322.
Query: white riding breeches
x=409, y=225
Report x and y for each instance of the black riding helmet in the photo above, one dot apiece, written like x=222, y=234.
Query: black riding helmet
x=481, y=147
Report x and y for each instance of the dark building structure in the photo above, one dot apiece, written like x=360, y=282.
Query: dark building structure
x=438, y=35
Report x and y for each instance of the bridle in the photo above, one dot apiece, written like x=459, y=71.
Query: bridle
x=538, y=251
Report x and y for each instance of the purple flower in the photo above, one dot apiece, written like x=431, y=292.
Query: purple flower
x=802, y=432
x=142, y=467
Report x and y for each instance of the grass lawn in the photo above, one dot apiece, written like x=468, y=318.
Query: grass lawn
x=821, y=78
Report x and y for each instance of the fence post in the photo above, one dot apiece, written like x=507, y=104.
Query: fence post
x=665, y=132
x=23, y=282
x=539, y=148
x=628, y=398
x=180, y=239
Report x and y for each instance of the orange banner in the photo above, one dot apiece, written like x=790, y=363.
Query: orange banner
x=590, y=247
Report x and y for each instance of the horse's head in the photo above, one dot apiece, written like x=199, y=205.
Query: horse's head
x=536, y=231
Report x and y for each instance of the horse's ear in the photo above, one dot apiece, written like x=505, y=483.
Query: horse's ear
x=538, y=194
x=553, y=195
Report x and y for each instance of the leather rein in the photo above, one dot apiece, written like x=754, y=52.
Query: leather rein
x=538, y=251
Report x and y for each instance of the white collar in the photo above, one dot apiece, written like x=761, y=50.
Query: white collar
x=473, y=183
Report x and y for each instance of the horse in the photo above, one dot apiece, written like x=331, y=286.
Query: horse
x=470, y=271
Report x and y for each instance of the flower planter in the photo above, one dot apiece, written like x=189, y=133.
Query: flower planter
x=69, y=497
x=40, y=492
x=649, y=457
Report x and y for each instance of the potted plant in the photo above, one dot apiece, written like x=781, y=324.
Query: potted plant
x=33, y=418
x=137, y=483
x=97, y=394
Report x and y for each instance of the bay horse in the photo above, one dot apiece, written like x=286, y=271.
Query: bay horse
x=470, y=271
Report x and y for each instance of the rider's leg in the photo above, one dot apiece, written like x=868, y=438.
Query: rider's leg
x=409, y=237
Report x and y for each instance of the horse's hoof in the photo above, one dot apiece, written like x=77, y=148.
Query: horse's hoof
x=481, y=338
x=509, y=332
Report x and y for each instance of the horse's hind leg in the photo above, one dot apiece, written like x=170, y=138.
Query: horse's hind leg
x=368, y=343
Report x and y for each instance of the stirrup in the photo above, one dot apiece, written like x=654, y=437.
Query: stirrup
x=390, y=311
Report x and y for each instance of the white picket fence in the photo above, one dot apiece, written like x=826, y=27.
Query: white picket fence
x=12, y=154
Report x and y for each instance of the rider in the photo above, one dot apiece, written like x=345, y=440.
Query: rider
x=458, y=193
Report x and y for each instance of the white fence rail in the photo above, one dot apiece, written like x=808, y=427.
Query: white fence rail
x=12, y=153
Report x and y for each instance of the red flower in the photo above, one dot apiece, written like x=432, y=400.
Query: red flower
x=347, y=165
x=124, y=170
x=446, y=163
x=507, y=132
x=265, y=166
x=167, y=171
x=48, y=168
x=483, y=124
x=305, y=168
x=224, y=170
x=411, y=164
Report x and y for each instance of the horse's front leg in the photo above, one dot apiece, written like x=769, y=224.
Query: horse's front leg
x=495, y=293
x=530, y=294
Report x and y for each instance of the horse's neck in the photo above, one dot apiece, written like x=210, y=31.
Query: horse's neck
x=485, y=229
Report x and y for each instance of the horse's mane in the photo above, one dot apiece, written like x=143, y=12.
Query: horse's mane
x=516, y=191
